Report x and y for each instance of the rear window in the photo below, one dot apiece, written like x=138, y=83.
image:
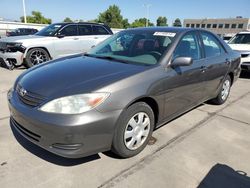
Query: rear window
x=211, y=45
x=85, y=29
x=99, y=30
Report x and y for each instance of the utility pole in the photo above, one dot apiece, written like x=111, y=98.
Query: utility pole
x=147, y=12
x=24, y=12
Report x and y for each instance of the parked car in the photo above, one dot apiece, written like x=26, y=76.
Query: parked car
x=21, y=31
x=241, y=43
x=115, y=95
x=226, y=38
x=55, y=41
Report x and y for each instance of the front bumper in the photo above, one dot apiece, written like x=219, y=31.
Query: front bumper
x=71, y=136
x=15, y=58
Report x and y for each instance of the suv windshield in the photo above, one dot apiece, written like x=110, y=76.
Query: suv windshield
x=49, y=30
x=240, y=39
x=135, y=46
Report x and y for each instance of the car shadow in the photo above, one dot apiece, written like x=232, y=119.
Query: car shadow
x=221, y=175
x=48, y=156
x=111, y=155
x=3, y=66
x=245, y=74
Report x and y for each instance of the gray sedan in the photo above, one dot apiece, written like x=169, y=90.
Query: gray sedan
x=113, y=97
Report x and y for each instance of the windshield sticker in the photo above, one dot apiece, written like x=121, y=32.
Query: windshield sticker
x=165, y=34
x=56, y=26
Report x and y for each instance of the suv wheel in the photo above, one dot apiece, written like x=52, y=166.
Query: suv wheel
x=134, y=128
x=36, y=56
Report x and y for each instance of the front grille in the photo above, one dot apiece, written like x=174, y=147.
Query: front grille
x=29, y=98
x=26, y=132
x=245, y=67
x=244, y=55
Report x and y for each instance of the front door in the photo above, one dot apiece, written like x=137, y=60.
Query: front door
x=184, y=86
x=68, y=44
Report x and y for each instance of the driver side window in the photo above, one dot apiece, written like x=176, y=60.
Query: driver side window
x=70, y=30
x=188, y=47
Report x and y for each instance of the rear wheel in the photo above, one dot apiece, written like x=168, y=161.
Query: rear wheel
x=36, y=56
x=133, y=130
x=224, y=92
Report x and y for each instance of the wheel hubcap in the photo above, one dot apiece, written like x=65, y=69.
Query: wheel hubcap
x=225, y=90
x=38, y=57
x=137, y=131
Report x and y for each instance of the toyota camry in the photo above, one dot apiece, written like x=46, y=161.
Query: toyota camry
x=114, y=96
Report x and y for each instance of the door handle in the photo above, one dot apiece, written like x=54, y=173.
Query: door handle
x=203, y=69
x=76, y=38
x=95, y=37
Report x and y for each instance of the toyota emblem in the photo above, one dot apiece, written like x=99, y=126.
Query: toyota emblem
x=23, y=92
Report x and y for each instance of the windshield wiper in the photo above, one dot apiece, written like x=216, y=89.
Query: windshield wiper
x=107, y=57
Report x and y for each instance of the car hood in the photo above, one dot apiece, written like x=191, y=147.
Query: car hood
x=24, y=38
x=75, y=75
x=240, y=47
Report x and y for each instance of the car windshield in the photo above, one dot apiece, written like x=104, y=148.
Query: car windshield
x=135, y=46
x=49, y=30
x=240, y=39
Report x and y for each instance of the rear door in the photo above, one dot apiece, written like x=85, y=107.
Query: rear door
x=184, y=87
x=100, y=33
x=217, y=63
x=86, y=37
x=91, y=35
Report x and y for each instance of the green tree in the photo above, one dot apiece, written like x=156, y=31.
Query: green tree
x=125, y=23
x=37, y=17
x=112, y=17
x=67, y=19
x=177, y=23
x=141, y=22
x=161, y=21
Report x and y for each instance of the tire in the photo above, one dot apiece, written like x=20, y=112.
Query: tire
x=224, y=92
x=36, y=56
x=137, y=136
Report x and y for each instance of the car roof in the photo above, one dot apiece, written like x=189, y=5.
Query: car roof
x=244, y=32
x=166, y=29
x=90, y=23
x=24, y=28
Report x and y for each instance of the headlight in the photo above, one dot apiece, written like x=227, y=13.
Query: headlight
x=13, y=44
x=75, y=104
x=14, y=47
x=9, y=94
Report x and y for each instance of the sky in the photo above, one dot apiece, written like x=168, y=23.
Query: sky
x=57, y=10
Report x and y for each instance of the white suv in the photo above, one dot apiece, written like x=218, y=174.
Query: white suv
x=241, y=43
x=55, y=41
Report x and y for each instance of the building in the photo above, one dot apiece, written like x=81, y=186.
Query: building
x=222, y=27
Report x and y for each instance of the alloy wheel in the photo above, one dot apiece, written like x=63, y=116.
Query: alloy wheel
x=38, y=57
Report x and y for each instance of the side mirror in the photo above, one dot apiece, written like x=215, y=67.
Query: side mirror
x=182, y=61
x=59, y=35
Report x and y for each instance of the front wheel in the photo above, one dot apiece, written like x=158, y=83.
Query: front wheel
x=224, y=92
x=134, y=128
x=36, y=56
